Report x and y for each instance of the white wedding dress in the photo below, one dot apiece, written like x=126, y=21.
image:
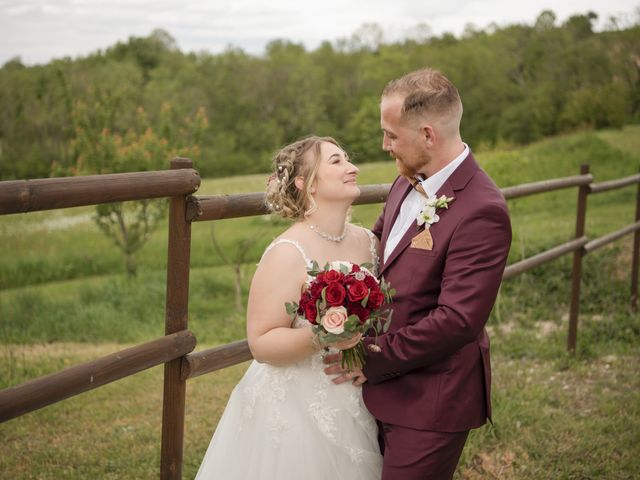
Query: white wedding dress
x=292, y=422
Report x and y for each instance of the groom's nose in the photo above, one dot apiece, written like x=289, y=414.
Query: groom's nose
x=386, y=143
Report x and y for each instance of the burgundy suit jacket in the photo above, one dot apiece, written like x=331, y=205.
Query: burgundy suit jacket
x=434, y=372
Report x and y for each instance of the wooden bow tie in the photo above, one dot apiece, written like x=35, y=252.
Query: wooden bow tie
x=417, y=186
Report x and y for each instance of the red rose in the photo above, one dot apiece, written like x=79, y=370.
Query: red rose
x=376, y=298
x=333, y=276
x=355, y=268
x=335, y=294
x=310, y=312
x=348, y=280
x=360, y=311
x=316, y=289
x=308, y=296
x=370, y=281
x=357, y=291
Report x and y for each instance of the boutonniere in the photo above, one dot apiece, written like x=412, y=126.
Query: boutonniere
x=428, y=213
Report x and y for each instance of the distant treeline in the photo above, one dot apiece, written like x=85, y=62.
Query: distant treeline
x=518, y=84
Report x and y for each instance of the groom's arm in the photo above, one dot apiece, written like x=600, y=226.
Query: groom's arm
x=471, y=278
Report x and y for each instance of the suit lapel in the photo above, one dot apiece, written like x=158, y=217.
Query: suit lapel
x=395, y=208
x=457, y=181
x=411, y=232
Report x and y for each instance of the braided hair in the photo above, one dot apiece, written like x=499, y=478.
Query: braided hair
x=283, y=197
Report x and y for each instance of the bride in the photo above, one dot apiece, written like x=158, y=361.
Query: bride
x=286, y=419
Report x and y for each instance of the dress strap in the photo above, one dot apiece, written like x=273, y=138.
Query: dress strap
x=374, y=251
x=307, y=261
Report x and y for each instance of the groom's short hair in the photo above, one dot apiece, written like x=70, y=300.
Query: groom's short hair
x=426, y=92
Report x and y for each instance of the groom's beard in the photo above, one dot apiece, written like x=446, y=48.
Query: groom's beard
x=402, y=169
x=411, y=170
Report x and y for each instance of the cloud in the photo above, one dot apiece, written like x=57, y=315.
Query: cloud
x=38, y=30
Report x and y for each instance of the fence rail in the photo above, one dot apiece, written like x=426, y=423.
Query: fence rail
x=217, y=358
x=543, y=257
x=544, y=186
x=614, y=184
x=43, y=391
x=174, y=349
x=22, y=196
x=218, y=207
x=611, y=237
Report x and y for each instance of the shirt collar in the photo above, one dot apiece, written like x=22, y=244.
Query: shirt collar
x=432, y=184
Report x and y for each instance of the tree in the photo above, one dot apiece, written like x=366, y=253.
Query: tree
x=518, y=83
x=237, y=260
x=367, y=37
x=363, y=137
x=101, y=149
x=545, y=21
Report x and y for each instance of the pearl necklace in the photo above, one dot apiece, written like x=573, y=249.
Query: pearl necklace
x=326, y=236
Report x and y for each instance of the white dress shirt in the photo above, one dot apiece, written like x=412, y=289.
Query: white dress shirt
x=414, y=201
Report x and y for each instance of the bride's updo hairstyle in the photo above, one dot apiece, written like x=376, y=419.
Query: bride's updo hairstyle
x=283, y=196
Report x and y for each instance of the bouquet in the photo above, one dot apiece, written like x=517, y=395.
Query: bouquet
x=344, y=299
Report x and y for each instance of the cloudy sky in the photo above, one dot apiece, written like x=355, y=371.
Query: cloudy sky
x=39, y=30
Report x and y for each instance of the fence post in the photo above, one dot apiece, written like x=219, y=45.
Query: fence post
x=636, y=255
x=576, y=272
x=176, y=319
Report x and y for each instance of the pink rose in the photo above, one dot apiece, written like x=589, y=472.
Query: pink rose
x=333, y=320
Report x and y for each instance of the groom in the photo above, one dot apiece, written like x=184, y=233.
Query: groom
x=429, y=383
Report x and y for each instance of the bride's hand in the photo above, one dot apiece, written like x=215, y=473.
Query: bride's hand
x=347, y=344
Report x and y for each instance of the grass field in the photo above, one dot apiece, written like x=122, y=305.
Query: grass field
x=64, y=299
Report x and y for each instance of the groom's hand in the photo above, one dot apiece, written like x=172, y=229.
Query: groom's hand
x=335, y=368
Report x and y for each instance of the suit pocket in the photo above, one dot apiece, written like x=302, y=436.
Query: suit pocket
x=420, y=252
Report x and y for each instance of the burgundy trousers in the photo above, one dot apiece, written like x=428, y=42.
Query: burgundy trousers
x=419, y=454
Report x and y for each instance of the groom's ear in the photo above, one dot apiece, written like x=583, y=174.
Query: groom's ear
x=429, y=135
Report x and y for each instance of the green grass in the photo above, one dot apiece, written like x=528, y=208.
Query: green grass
x=555, y=416
x=114, y=308
x=64, y=299
x=109, y=433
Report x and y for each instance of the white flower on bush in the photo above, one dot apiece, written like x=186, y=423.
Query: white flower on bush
x=428, y=213
x=334, y=319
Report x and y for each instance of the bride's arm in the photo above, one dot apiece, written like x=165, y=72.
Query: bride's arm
x=278, y=279
x=376, y=242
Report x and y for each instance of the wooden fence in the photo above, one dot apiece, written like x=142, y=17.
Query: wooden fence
x=173, y=349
